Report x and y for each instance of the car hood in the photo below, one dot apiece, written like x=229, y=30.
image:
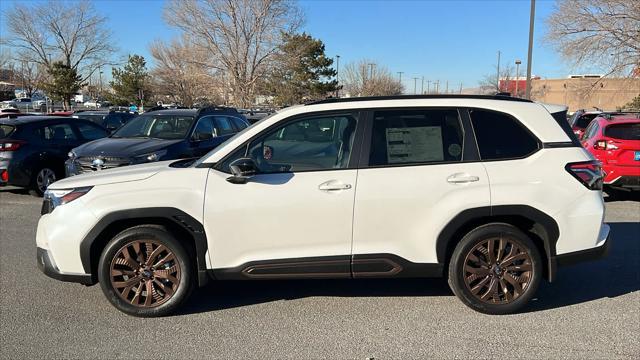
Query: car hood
x=112, y=176
x=122, y=147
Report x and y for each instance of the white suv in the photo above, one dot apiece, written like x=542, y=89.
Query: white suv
x=491, y=192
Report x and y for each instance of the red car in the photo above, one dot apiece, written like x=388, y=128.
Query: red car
x=614, y=140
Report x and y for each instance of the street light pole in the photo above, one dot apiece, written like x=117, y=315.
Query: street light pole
x=415, y=85
x=518, y=62
x=428, y=86
x=422, y=87
x=337, y=76
x=532, y=16
x=498, y=74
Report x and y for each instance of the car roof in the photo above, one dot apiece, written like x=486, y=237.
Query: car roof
x=619, y=119
x=31, y=119
x=184, y=112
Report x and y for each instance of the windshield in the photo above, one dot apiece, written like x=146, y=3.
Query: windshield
x=584, y=120
x=219, y=147
x=166, y=127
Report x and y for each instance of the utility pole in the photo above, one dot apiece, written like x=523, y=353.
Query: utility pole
x=422, y=87
x=371, y=70
x=532, y=16
x=100, y=72
x=400, y=76
x=428, y=86
x=415, y=84
x=498, y=74
x=518, y=62
x=460, y=88
x=337, y=76
x=437, y=85
x=447, y=89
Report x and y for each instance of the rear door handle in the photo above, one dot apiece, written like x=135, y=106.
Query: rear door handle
x=333, y=185
x=462, y=178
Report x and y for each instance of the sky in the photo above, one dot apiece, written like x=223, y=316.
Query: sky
x=455, y=41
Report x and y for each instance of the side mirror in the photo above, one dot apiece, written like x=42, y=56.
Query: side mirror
x=242, y=169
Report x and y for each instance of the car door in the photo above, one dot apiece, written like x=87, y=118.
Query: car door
x=294, y=217
x=419, y=168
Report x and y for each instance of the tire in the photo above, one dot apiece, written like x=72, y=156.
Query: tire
x=41, y=180
x=171, y=279
x=491, y=285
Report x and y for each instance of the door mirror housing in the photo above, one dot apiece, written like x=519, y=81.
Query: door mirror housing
x=242, y=169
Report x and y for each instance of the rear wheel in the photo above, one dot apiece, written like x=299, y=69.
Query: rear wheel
x=495, y=269
x=144, y=271
x=41, y=180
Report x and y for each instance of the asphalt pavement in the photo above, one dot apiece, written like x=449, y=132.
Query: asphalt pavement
x=591, y=312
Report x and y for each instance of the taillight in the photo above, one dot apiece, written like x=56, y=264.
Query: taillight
x=589, y=173
x=12, y=145
x=604, y=145
x=4, y=175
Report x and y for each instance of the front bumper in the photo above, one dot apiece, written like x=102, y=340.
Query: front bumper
x=48, y=267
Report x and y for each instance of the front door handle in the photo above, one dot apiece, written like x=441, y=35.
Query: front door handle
x=461, y=178
x=333, y=185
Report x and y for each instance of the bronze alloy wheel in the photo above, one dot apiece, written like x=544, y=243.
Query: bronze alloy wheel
x=498, y=270
x=145, y=273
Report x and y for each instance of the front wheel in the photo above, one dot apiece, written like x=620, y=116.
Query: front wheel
x=41, y=180
x=495, y=269
x=144, y=271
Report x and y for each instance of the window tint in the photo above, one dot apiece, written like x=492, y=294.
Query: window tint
x=623, y=131
x=415, y=136
x=204, y=129
x=57, y=133
x=90, y=131
x=238, y=123
x=500, y=136
x=223, y=126
x=319, y=143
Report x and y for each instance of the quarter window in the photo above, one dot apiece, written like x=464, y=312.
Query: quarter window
x=500, y=136
x=415, y=136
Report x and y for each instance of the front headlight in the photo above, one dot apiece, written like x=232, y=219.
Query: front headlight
x=72, y=155
x=151, y=157
x=54, y=198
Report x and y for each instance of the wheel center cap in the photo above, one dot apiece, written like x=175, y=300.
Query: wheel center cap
x=147, y=273
x=497, y=270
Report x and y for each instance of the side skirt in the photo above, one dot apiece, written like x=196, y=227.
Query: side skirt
x=330, y=267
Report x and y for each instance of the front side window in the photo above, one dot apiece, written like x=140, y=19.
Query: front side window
x=501, y=136
x=415, y=136
x=223, y=126
x=204, y=129
x=238, y=123
x=167, y=127
x=311, y=144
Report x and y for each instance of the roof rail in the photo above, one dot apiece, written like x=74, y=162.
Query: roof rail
x=417, y=97
x=610, y=114
x=214, y=108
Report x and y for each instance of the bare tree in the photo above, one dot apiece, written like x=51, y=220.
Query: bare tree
x=182, y=72
x=366, y=78
x=604, y=33
x=71, y=32
x=240, y=36
x=489, y=84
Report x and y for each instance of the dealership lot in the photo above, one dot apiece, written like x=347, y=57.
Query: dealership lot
x=592, y=311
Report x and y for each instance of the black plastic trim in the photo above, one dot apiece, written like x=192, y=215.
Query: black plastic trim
x=177, y=217
x=48, y=267
x=559, y=144
x=323, y=267
x=577, y=257
x=549, y=227
x=418, y=97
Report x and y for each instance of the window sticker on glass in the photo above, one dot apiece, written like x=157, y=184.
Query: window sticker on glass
x=414, y=144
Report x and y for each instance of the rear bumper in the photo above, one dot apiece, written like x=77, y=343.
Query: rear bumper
x=627, y=182
x=597, y=252
x=48, y=267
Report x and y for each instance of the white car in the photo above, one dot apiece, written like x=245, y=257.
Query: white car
x=92, y=103
x=491, y=192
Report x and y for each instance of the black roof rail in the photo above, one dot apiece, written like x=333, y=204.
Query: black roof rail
x=214, y=108
x=417, y=97
x=610, y=114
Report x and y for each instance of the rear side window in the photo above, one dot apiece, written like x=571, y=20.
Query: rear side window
x=500, y=136
x=223, y=126
x=90, y=131
x=57, y=133
x=6, y=130
x=623, y=131
x=591, y=131
x=415, y=136
x=238, y=123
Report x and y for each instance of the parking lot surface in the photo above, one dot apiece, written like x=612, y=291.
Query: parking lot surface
x=592, y=311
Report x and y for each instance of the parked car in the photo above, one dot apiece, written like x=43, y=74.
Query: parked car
x=92, y=104
x=110, y=119
x=19, y=103
x=33, y=149
x=581, y=119
x=615, y=141
x=479, y=189
x=158, y=135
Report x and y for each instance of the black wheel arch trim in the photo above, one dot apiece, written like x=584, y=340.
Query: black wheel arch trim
x=174, y=216
x=548, y=232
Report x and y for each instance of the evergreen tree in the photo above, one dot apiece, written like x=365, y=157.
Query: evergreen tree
x=131, y=83
x=302, y=71
x=64, y=82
